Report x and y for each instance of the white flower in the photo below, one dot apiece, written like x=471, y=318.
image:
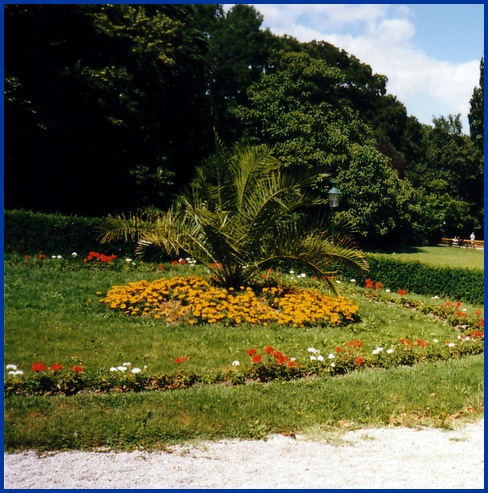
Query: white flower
x=337, y=281
x=312, y=350
x=54, y=256
x=320, y=358
x=331, y=356
x=293, y=359
x=465, y=310
x=353, y=280
x=302, y=275
x=128, y=260
x=332, y=364
x=292, y=272
x=121, y=368
x=128, y=363
x=58, y=256
x=435, y=340
x=387, y=290
x=451, y=344
x=113, y=368
x=377, y=350
x=235, y=363
x=389, y=351
x=135, y=370
x=16, y=372
x=74, y=254
x=11, y=367
x=435, y=297
x=313, y=358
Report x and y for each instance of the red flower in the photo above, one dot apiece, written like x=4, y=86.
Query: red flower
x=354, y=343
x=251, y=352
x=481, y=322
x=338, y=349
x=477, y=313
x=42, y=256
x=38, y=367
x=402, y=292
x=174, y=262
x=378, y=285
x=26, y=257
x=291, y=364
x=268, y=350
x=422, y=343
x=182, y=261
x=368, y=284
x=257, y=358
x=161, y=266
x=359, y=360
x=77, y=369
x=280, y=357
x=181, y=360
x=56, y=367
x=477, y=333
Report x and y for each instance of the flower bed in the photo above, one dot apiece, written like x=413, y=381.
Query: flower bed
x=195, y=301
x=258, y=366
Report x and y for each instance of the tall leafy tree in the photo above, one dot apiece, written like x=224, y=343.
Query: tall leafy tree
x=476, y=112
x=118, y=88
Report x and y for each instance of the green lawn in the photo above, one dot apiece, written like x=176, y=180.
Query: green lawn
x=52, y=315
x=442, y=256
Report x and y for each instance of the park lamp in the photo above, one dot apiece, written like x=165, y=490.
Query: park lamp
x=334, y=195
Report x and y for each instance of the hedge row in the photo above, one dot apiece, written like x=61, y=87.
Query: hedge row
x=31, y=233
x=465, y=285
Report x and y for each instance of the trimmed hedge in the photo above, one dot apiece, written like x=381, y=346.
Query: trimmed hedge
x=30, y=233
x=459, y=284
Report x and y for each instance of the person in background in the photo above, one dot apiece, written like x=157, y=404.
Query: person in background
x=472, y=238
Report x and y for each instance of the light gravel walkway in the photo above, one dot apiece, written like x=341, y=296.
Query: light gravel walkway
x=389, y=458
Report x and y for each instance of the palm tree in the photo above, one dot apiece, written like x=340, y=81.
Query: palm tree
x=243, y=214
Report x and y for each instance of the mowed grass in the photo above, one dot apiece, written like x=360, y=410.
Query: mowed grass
x=52, y=314
x=441, y=256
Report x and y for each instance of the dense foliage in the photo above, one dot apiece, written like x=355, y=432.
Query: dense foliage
x=109, y=108
x=244, y=214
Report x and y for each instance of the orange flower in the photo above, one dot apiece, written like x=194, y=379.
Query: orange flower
x=181, y=360
x=77, y=369
x=268, y=350
x=257, y=358
x=359, y=360
x=56, y=367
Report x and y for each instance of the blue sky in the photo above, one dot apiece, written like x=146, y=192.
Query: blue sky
x=429, y=52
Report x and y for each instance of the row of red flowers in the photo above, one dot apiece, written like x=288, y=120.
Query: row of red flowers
x=39, y=367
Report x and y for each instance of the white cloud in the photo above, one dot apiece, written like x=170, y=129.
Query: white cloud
x=383, y=36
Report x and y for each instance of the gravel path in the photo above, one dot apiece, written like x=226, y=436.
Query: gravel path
x=368, y=459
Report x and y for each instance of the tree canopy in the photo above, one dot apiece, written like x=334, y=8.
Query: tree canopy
x=112, y=108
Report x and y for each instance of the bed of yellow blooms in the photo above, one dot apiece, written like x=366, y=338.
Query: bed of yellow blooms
x=195, y=300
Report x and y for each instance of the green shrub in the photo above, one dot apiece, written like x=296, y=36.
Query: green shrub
x=456, y=283
x=27, y=232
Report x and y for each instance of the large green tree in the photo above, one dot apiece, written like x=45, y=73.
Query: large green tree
x=107, y=106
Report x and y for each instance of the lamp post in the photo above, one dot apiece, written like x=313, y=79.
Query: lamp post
x=334, y=198
x=334, y=195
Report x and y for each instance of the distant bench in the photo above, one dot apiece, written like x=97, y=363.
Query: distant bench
x=462, y=243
